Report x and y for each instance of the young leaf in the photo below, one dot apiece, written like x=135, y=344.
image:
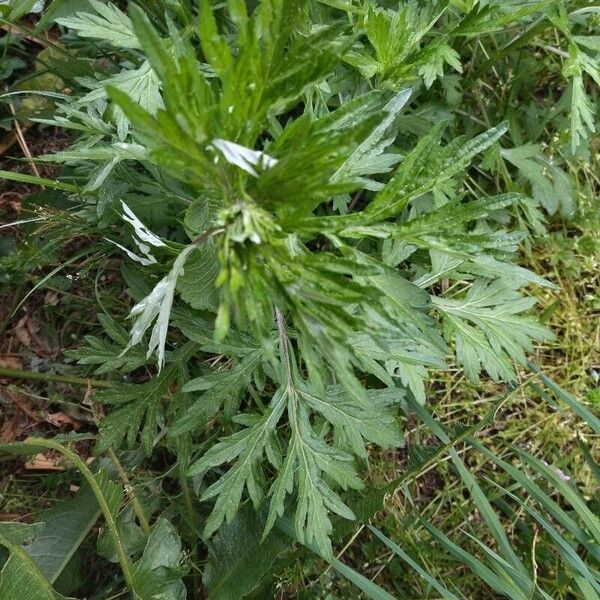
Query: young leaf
x=157, y=306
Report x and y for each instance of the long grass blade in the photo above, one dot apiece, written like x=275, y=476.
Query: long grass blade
x=566, y=550
x=478, y=495
x=445, y=593
x=585, y=413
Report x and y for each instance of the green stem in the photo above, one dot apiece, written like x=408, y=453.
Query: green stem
x=126, y=565
x=137, y=505
x=37, y=376
x=538, y=27
x=192, y=517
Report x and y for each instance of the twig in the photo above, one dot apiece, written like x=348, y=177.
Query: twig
x=354, y=201
x=23, y=143
x=23, y=406
x=12, y=30
x=204, y=236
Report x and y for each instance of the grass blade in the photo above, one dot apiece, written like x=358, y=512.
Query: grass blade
x=590, y=418
x=479, y=497
x=445, y=593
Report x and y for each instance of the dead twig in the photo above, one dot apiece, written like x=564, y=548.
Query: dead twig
x=23, y=143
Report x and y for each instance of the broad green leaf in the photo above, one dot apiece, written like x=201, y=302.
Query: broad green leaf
x=238, y=560
x=157, y=574
x=196, y=284
x=65, y=528
x=21, y=578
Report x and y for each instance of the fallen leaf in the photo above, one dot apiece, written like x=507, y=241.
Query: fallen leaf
x=11, y=429
x=10, y=203
x=11, y=361
x=60, y=419
x=21, y=402
x=4, y=517
x=42, y=462
x=24, y=331
x=51, y=298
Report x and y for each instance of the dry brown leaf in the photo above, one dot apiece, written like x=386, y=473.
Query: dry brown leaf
x=43, y=462
x=11, y=429
x=10, y=517
x=60, y=419
x=24, y=330
x=11, y=361
x=10, y=203
x=51, y=298
x=23, y=404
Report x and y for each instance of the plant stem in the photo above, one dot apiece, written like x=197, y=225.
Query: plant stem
x=283, y=343
x=191, y=518
x=137, y=506
x=37, y=376
x=204, y=236
x=111, y=523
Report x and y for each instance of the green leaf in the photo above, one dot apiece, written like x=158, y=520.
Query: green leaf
x=238, y=560
x=221, y=389
x=550, y=184
x=141, y=85
x=197, y=282
x=157, y=574
x=65, y=528
x=370, y=156
x=354, y=423
x=246, y=448
x=309, y=460
x=107, y=354
x=434, y=67
x=109, y=496
x=489, y=329
x=17, y=533
x=138, y=408
x=108, y=24
x=21, y=578
x=427, y=167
